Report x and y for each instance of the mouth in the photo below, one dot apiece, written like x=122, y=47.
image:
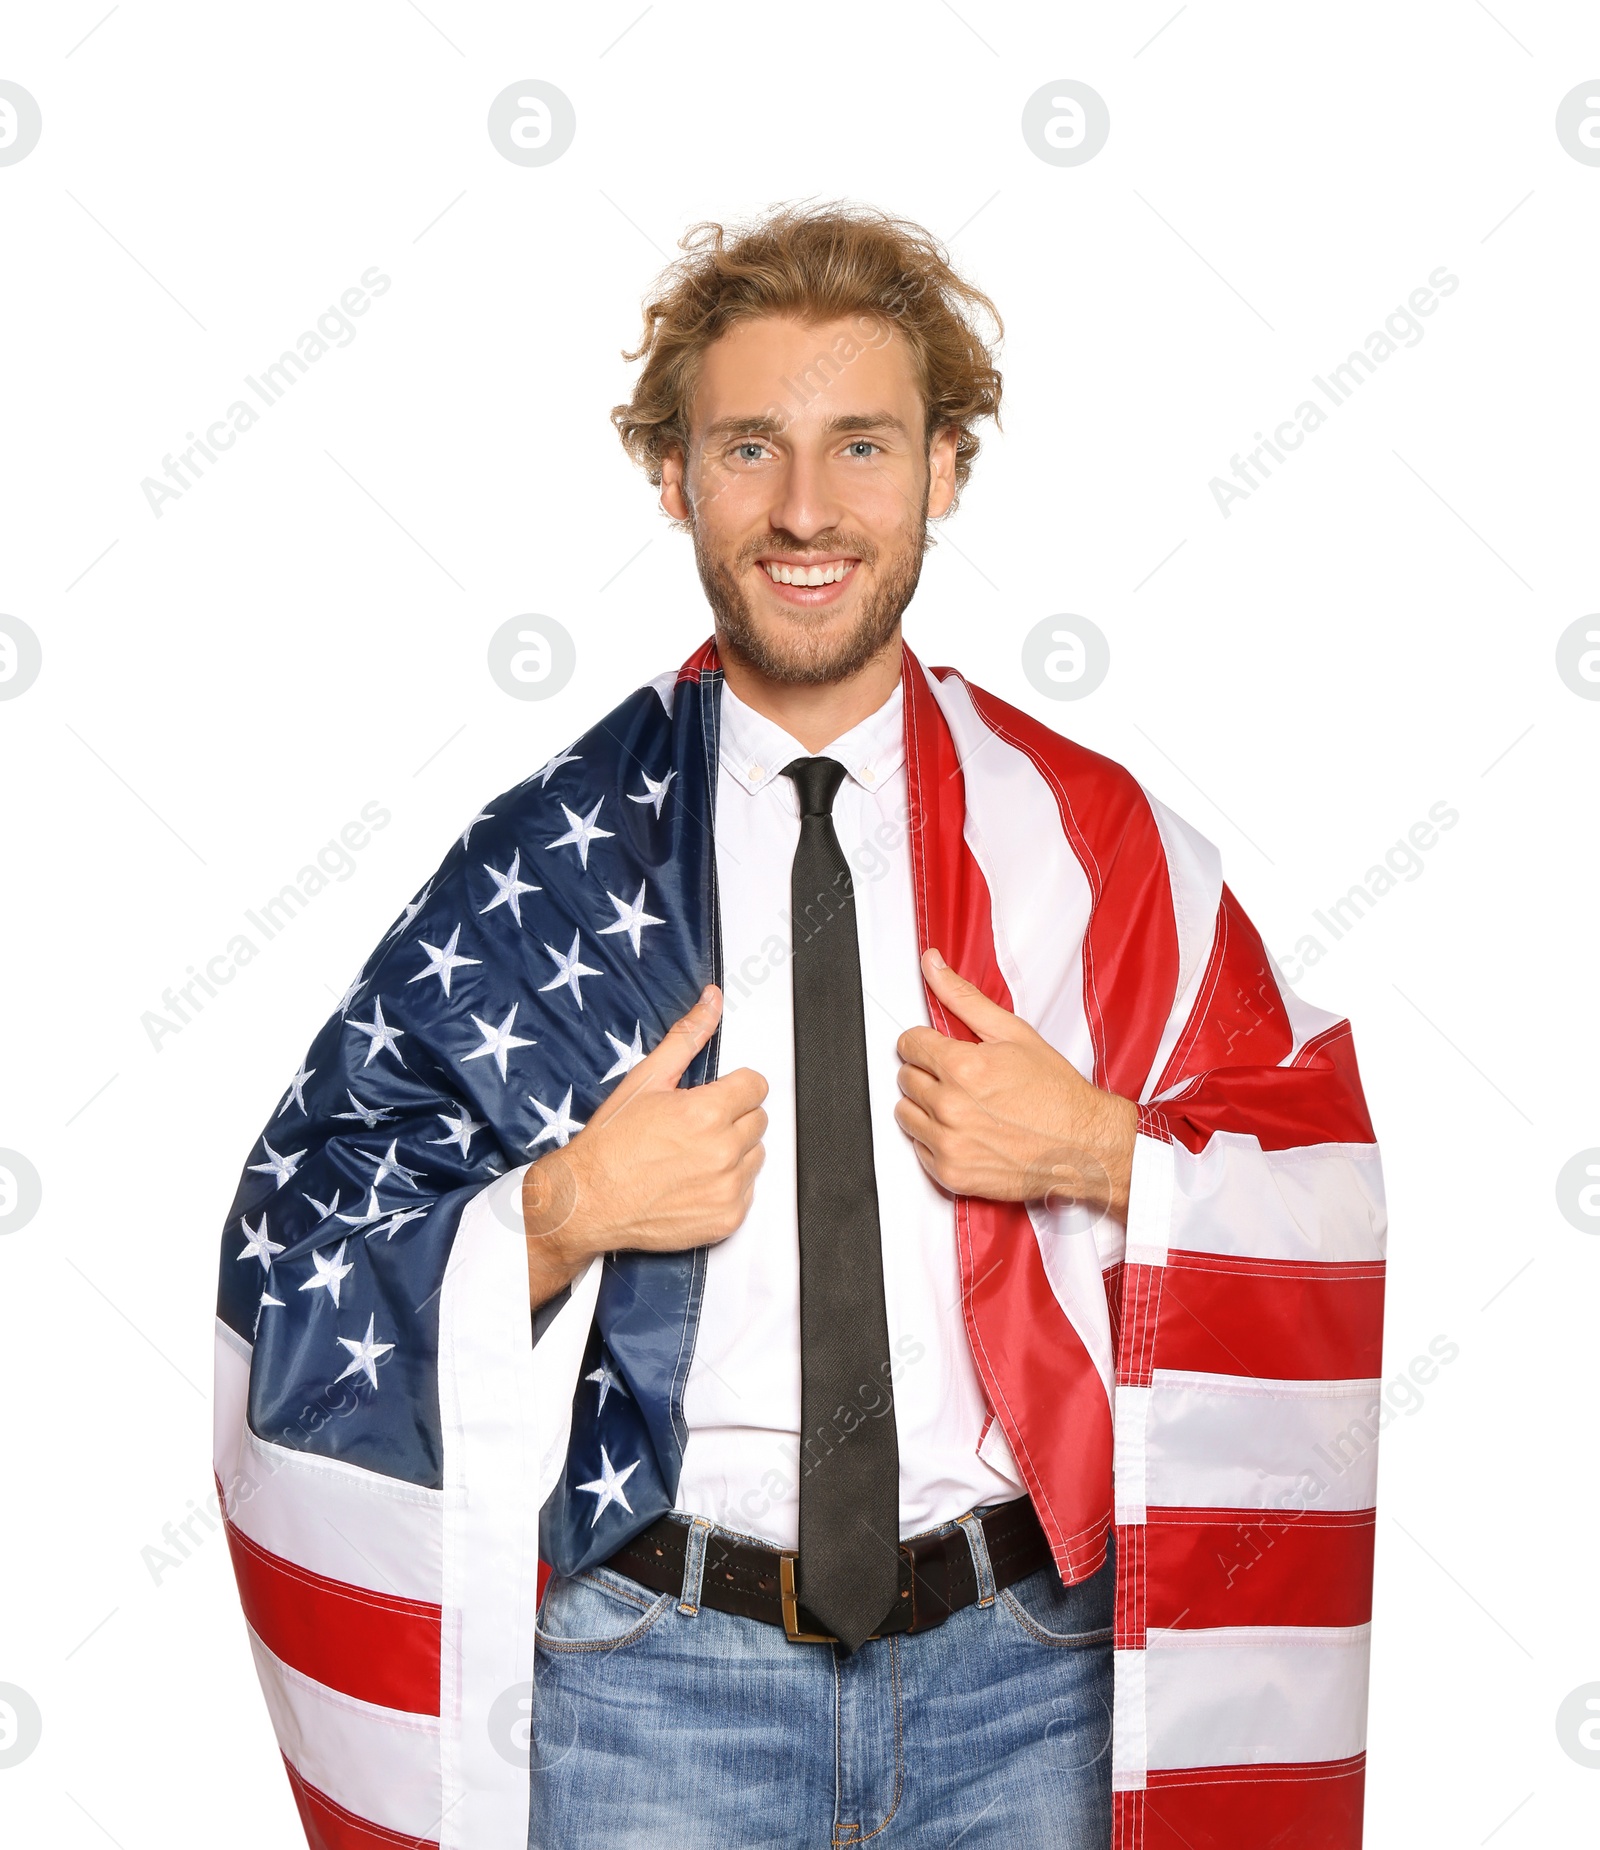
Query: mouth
x=808, y=582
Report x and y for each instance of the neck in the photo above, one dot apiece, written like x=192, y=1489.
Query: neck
x=816, y=713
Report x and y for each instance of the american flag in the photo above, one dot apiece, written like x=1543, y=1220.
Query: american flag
x=394, y=1452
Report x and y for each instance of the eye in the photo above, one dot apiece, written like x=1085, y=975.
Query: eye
x=750, y=451
x=862, y=447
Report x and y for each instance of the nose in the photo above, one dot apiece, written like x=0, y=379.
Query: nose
x=805, y=504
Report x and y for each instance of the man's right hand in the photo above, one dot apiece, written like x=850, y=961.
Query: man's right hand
x=656, y=1168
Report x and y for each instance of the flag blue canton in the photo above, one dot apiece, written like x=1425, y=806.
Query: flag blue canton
x=566, y=930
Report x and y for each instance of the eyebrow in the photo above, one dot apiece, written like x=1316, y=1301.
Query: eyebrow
x=766, y=426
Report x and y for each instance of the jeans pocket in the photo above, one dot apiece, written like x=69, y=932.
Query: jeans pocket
x=1053, y=1614
x=596, y=1611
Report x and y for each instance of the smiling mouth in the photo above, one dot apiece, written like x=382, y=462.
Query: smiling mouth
x=805, y=572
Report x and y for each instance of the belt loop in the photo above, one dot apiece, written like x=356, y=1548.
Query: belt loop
x=972, y=1525
x=694, y=1565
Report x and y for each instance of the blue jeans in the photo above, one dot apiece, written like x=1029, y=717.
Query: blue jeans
x=660, y=1724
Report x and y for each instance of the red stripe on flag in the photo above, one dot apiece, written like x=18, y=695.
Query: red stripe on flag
x=373, y=1646
x=705, y=660
x=1040, y=1379
x=328, y=1826
x=1285, y=1320
x=1210, y=1567
x=1313, y=1805
x=1130, y=949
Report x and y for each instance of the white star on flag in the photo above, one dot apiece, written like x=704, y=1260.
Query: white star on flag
x=442, y=961
x=608, y=1381
x=324, y=1208
x=630, y=918
x=266, y=1299
x=607, y=1487
x=378, y=1032
x=462, y=1129
x=558, y=1124
x=389, y=1165
x=627, y=1057
x=569, y=971
x=483, y=815
x=259, y=1244
x=498, y=1041
x=373, y=1213
x=581, y=831
x=370, y=1115
x=296, y=1094
x=509, y=887
x=654, y=793
x=366, y=1353
x=329, y=1272
x=409, y=914
x=281, y=1167
x=395, y=1222
x=358, y=981
x=551, y=765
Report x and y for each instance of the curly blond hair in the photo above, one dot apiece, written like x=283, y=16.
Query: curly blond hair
x=815, y=264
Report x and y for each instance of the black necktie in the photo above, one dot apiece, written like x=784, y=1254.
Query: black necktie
x=848, y=1570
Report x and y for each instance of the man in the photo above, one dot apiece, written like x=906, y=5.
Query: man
x=952, y=1250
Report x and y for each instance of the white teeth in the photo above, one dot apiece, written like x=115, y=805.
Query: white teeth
x=808, y=575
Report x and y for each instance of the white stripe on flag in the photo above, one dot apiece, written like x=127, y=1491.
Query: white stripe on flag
x=1319, y=1201
x=505, y=1407
x=378, y=1763
x=334, y=1518
x=1243, y=1696
x=1238, y=1442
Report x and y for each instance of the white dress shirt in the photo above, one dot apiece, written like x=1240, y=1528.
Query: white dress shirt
x=742, y=1398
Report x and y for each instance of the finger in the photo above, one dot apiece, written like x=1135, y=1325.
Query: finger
x=750, y=1129
x=967, y=1002
x=917, y=1124
x=925, y=1047
x=669, y=1059
x=737, y=1092
x=921, y=1088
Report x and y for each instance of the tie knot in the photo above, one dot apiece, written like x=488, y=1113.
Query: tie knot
x=818, y=781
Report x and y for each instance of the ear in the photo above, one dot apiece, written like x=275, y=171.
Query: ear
x=674, y=502
x=942, y=471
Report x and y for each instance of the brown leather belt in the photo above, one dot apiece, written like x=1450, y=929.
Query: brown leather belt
x=757, y=1582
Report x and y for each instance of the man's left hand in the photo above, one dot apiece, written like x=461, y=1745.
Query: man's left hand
x=1008, y=1118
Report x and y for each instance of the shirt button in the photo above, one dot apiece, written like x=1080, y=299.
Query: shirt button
x=868, y=775
x=756, y=773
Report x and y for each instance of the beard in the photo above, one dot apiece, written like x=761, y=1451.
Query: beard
x=809, y=649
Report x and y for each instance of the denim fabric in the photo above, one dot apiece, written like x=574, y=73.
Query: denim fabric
x=659, y=1722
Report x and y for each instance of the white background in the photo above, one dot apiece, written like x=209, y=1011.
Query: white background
x=1370, y=633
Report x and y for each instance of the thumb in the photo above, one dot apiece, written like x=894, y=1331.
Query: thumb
x=967, y=1002
x=665, y=1064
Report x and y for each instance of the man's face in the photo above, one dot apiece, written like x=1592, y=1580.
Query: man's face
x=808, y=460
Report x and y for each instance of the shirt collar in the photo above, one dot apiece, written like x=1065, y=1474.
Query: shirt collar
x=754, y=749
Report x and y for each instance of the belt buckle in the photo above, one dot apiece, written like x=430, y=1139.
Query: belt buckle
x=790, y=1605
x=791, y=1614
